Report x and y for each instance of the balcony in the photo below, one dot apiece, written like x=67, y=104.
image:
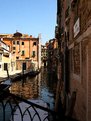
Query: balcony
x=1, y=50
x=6, y=54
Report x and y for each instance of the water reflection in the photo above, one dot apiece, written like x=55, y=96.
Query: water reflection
x=41, y=86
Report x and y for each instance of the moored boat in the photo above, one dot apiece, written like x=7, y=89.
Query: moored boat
x=4, y=87
x=6, y=82
x=33, y=73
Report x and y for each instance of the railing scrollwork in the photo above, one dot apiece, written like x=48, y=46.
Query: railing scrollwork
x=15, y=108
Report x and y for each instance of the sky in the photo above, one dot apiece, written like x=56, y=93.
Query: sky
x=31, y=17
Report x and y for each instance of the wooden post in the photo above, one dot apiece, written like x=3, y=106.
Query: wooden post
x=23, y=74
x=7, y=73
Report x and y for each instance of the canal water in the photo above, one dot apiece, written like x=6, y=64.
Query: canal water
x=42, y=86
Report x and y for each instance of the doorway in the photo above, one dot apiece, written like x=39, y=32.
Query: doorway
x=24, y=66
x=5, y=66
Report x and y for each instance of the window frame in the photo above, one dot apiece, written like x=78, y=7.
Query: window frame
x=33, y=53
x=18, y=42
x=22, y=52
x=34, y=43
x=22, y=43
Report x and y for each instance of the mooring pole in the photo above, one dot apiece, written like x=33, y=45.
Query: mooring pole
x=7, y=73
x=23, y=75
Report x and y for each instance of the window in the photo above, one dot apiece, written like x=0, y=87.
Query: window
x=34, y=43
x=23, y=53
x=33, y=53
x=23, y=66
x=14, y=42
x=17, y=57
x=14, y=48
x=22, y=43
x=5, y=66
x=13, y=52
x=17, y=42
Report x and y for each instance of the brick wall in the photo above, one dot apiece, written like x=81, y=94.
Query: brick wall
x=80, y=63
x=89, y=80
x=77, y=84
x=82, y=82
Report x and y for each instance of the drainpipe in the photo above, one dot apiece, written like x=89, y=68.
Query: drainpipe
x=65, y=72
x=64, y=76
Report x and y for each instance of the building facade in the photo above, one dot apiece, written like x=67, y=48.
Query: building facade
x=5, y=60
x=74, y=39
x=24, y=49
x=44, y=55
x=52, y=54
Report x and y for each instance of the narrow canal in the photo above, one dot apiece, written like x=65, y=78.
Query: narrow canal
x=43, y=86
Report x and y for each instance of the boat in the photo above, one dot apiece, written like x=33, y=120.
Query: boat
x=6, y=82
x=26, y=112
x=33, y=73
x=4, y=87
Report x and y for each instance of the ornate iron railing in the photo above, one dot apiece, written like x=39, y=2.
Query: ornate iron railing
x=15, y=108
